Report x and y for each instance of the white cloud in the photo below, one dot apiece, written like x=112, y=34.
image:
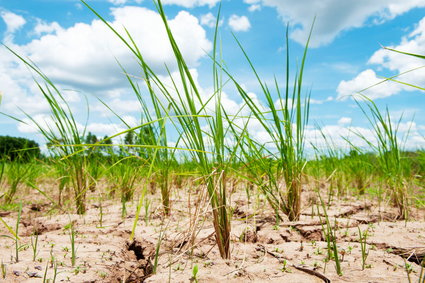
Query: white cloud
x=44, y=121
x=338, y=134
x=18, y=87
x=254, y=8
x=81, y=58
x=239, y=23
x=123, y=2
x=191, y=3
x=253, y=5
x=83, y=54
x=42, y=27
x=210, y=20
x=131, y=121
x=344, y=121
x=119, y=105
x=30, y=127
x=318, y=101
x=118, y=2
x=280, y=104
x=206, y=94
x=102, y=129
x=406, y=127
x=366, y=79
x=414, y=42
x=409, y=135
x=335, y=16
x=13, y=21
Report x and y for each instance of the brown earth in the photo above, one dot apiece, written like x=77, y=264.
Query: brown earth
x=262, y=250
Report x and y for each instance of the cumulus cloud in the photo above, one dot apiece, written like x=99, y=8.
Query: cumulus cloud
x=102, y=129
x=210, y=20
x=414, y=42
x=239, y=23
x=98, y=128
x=82, y=57
x=43, y=27
x=18, y=87
x=344, y=121
x=44, y=121
x=335, y=16
x=206, y=94
x=30, y=127
x=339, y=134
x=191, y=3
x=121, y=107
x=395, y=62
x=13, y=21
x=117, y=2
x=124, y=2
x=369, y=85
x=254, y=8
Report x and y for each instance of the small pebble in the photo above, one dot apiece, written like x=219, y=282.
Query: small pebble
x=16, y=273
x=33, y=275
x=38, y=267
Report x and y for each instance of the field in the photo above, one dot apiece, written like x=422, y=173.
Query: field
x=96, y=247
x=192, y=194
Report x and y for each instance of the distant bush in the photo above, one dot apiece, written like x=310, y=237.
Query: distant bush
x=13, y=148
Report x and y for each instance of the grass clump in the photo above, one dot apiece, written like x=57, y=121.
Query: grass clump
x=63, y=136
x=389, y=150
x=284, y=121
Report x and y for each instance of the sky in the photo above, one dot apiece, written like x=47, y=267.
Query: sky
x=346, y=55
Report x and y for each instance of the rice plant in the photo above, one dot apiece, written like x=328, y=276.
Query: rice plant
x=62, y=177
x=17, y=175
x=95, y=162
x=284, y=121
x=359, y=169
x=124, y=173
x=2, y=178
x=186, y=142
x=190, y=110
x=154, y=134
x=330, y=156
x=388, y=148
x=330, y=237
x=63, y=135
x=363, y=245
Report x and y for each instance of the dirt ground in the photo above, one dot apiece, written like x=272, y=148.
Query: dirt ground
x=262, y=249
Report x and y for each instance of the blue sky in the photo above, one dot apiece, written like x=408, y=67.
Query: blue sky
x=78, y=53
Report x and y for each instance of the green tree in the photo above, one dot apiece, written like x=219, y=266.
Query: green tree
x=129, y=139
x=14, y=148
x=90, y=138
x=107, y=149
x=147, y=136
